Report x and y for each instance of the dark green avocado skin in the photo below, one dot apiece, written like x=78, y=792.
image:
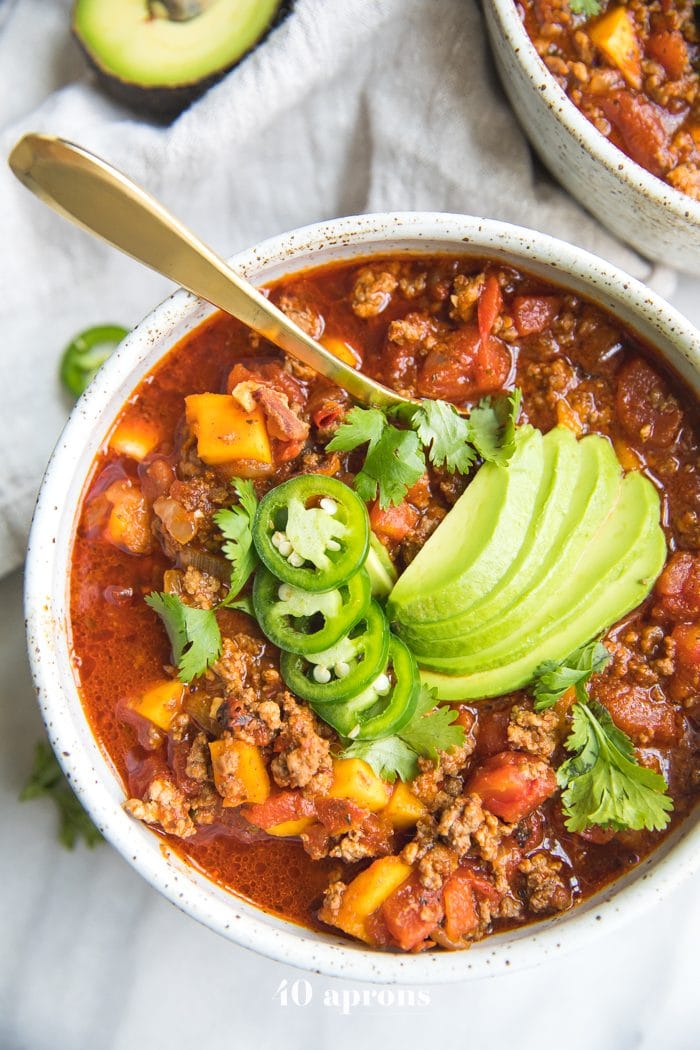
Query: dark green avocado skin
x=166, y=103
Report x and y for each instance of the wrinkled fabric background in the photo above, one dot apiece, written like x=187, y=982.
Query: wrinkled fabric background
x=352, y=105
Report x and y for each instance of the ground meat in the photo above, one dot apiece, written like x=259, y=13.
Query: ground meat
x=302, y=314
x=416, y=539
x=303, y=755
x=465, y=295
x=417, y=331
x=205, y=806
x=198, y=766
x=205, y=591
x=372, y=291
x=163, y=804
x=436, y=865
x=537, y=732
x=460, y=820
x=546, y=890
x=332, y=899
x=231, y=788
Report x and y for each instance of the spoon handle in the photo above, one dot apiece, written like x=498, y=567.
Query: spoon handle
x=96, y=196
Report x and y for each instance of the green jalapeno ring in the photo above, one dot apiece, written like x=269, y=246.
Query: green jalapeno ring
x=318, y=522
x=369, y=715
x=363, y=651
x=86, y=353
x=288, y=623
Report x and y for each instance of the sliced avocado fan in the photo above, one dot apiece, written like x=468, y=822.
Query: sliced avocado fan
x=506, y=594
x=159, y=55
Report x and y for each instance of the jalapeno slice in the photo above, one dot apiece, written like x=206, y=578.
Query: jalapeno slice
x=344, y=669
x=385, y=706
x=312, y=532
x=303, y=622
x=86, y=353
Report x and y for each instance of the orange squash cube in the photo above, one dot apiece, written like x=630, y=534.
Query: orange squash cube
x=291, y=827
x=250, y=769
x=161, y=703
x=226, y=432
x=366, y=894
x=404, y=809
x=616, y=37
x=342, y=350
x=354, y=779
x=134, y=437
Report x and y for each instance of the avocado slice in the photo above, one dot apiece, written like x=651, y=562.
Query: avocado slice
x=478, y=540
x=586, y=488
x=560, y=467
x=614, y=573
x=158, y=56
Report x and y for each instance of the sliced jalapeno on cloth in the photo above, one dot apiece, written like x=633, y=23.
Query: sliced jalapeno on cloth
x=385, y=706
x=346, y=668
x=86, y=353
x=306, y=622
x=312, y=532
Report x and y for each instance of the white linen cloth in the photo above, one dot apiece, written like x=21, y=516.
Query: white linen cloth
x=349, y=106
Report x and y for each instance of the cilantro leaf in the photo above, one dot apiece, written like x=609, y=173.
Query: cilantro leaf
x=446, y=434
x=553, y=677
x=194, y=634
x=589, y=8
x=492, y=425
x=389, y=757
x=602, y=782
x=361, y=426
x=236, y=525
x=429, y=731
x=392, y=465
x=47, y=780
x=432, y=727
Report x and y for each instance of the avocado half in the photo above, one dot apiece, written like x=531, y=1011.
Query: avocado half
x=158, y=56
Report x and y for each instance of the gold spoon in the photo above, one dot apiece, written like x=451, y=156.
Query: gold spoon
x=101, y=199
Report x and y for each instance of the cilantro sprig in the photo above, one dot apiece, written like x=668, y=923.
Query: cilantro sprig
x=603, y=783
x=46, y=780
x=236, y=524
x=396, y=457
x=553, y=677
x=194, y=634
x=430, y=731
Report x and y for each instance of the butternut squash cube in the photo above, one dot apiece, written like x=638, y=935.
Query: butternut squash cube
x=366, y=893
x=290, y=827
x=567, y=417
x=225, y=432
x=354, y=779
x=161, y=703
x=404, y=809
x=616, y=37
x=129, y=522
x=243, y=761
x=134, y=437
x=629, y=459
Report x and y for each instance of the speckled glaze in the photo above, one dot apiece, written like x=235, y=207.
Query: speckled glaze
x=89, y=769
x=659, y=221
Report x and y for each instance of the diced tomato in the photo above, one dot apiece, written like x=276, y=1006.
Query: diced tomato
x=640, y=128
x=340, y=815
x=512, y=784
x=284, y=451
x=278, y=808
x=393, y=523
x=679, y=586
x=532, y=313
x=491, y=730
x=668, y=48
x=646, y=409
x=645, y=720
x=419, y=494
x=411, y=913
x=488, y=307
x=462, y=368
x=129, y=523
x=460, y=906
x=685, y=684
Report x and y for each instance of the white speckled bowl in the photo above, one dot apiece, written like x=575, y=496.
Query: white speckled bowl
x=90, y=770
x=660, y=222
